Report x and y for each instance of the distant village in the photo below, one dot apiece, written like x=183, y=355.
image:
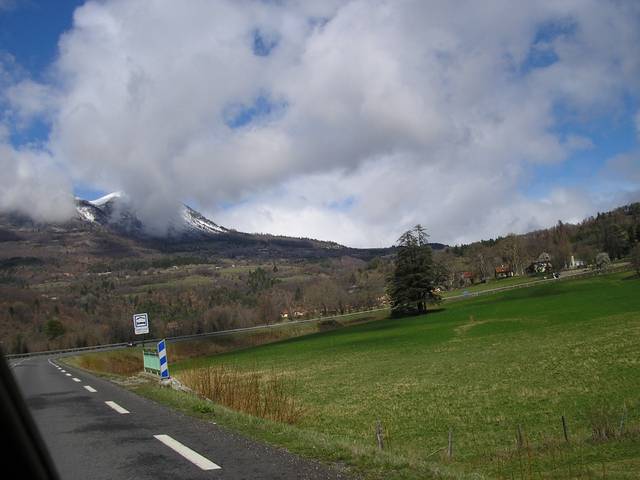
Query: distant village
x=540, y=266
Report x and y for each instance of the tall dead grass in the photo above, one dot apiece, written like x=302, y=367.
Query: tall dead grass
x=264, y=395
x=115, y=364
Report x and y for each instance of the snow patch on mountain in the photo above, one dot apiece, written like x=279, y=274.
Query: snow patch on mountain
x=114, y=210
x=102, y=201
x=199, y=222
x=86, y=213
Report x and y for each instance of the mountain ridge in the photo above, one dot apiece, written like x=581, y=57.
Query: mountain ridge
x=112, y=226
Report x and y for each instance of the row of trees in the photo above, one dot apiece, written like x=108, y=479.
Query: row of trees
x=97, y=308
x=615, y=233
x=417, y=277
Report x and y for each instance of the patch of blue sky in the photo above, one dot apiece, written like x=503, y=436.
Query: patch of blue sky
x=49, y=19
x=30, y=54
x=539, y=57
x=611, y=135
x=35, y=134
x=317, y=22
x=237, y=115
x=227, y=205
x=549, y=31
x=264, y=43
x=342, y=205
x=87, y=192
x=541, y=52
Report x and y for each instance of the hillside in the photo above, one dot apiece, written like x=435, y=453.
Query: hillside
x=500, y=372
x=616, y=232
x=78, y=283
x=111, y=222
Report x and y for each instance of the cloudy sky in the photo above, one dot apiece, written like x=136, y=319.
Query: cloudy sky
x=347, y=121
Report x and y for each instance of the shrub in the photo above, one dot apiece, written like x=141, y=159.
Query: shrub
x=54, y=328
x=262, y=395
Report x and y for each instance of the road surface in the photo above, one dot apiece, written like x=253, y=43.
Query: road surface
x=97, y=430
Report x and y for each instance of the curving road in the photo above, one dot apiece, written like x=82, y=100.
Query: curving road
x=97, y=430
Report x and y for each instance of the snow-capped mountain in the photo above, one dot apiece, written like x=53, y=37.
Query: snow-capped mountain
x=115, y=212
x=108, y=227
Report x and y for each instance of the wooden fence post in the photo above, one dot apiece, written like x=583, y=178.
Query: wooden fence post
x=519, y=438
x=379, y=435
x=564, y=429
x=622, y=420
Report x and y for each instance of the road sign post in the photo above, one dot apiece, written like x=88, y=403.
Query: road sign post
x=141, y=323
x=162, y=356
x=151, y=362
x=155, y=361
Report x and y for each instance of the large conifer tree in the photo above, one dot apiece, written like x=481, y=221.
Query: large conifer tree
x=412, y=284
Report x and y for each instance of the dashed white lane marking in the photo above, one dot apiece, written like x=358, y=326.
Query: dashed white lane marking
x=68, y=374
x=91, y=389
x=76, y=379
x=13, y=365
x=186, y=452
x=63, y=371
x=117, y=407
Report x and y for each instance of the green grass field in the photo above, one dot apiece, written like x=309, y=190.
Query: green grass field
x=490, y=285
x=481, y=367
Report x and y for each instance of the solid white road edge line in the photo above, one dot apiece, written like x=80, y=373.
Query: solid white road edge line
x=117, y=407
x=186, y=452
x=91, y=389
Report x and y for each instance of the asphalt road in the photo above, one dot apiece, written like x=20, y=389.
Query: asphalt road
x=134, y=438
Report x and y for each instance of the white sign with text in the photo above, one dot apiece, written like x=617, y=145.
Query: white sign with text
x=141, y=323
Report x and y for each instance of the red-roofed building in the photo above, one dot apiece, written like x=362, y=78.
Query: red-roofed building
x=503, y=271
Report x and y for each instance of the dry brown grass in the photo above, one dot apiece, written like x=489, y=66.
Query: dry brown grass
x=179, y=351
x=264, y=395
x=118, y=364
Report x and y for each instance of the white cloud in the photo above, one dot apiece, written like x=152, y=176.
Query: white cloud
x=625, y=166
x=33, y=185
x=413, y=111
x=372, y=206
x=29, y=100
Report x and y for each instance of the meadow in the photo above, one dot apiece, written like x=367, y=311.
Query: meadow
x=499, y=372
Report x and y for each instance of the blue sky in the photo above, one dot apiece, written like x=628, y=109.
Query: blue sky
x=270, y=120
x=30, y=31
x=610, y=134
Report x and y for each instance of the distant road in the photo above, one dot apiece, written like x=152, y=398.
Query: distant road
x=97, y=430
x=181, y=338
x=112, y=346
x=563, y=276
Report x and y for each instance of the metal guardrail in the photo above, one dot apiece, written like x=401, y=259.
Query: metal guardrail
x=612, y=269
x=180, y=338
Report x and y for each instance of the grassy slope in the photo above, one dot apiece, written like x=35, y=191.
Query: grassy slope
x=528, y=357
x=491, y=284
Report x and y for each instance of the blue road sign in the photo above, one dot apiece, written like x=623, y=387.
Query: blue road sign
x=162, y=355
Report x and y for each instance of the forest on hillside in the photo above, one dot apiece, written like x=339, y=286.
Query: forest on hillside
x=58, y=298
x=616, y=233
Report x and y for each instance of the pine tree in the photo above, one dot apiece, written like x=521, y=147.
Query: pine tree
x=412, y=284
